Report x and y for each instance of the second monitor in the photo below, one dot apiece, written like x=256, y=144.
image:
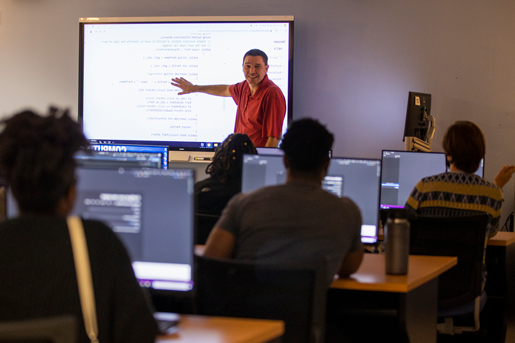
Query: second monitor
x=355, y=178
x=402, y=170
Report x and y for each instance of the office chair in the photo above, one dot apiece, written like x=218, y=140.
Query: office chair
x=459, y=289
x=61, y=329
x=203, y=226
x=247, y=290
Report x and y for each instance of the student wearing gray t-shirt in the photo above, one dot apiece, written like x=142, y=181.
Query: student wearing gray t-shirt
x=295, y=223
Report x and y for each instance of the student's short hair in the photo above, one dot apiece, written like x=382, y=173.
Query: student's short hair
x=464, y=142
x=36, y=157
x=256, y=52
x=307, y=144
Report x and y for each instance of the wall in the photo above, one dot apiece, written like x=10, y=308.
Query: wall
x=355, y=62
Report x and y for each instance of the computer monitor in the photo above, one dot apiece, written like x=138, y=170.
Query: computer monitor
x=355, y=178
x=111, y=147
x=126, y=66
x=151, y=211
x=108, y=159
x=269, y=151
x=417, y=112
x=276, y=151
x=402, y=170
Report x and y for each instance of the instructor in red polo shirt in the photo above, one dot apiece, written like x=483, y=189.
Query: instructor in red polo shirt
x=261, y=104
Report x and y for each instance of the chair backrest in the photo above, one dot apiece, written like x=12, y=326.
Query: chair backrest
x=247, y=290
x=47, y=330
x=463, y=237
x=204, y=223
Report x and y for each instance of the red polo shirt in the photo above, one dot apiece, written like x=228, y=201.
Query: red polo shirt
x=260, y=115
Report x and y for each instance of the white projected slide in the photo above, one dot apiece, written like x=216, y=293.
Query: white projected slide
x=128, y=67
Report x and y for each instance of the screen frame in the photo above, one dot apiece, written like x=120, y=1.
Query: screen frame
x=379, y=195
x=280, y=157
x=408, y=152
x=412, y=123
x=177, y=145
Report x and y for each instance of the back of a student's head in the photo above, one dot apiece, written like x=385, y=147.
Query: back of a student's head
x=228, y=159
x=36, y=158
x=464, y=142
x=306, y=145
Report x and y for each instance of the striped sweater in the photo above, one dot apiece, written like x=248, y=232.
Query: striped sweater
x=455, y=194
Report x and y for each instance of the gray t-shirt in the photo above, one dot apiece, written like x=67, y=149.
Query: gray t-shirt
x=295, y=223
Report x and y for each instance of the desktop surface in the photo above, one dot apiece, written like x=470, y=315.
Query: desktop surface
x=371, y=275
x=110, y=159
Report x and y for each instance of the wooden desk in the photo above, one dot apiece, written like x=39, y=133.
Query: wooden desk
x=500, y=284
x=371, y=274
x=202, y=329
x=411, y=298
x=502, y=239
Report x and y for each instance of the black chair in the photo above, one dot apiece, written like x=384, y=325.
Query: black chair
x=247, y=290
x=47, y=330
x=460, y=288
x=203, y=226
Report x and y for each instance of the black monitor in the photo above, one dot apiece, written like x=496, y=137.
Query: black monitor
x=126, y=66
x=108, y=159
x=269, y=151
x=355, y=178
x=151, y=211
x=417, y=123
x=402, y=170
x=111, y=147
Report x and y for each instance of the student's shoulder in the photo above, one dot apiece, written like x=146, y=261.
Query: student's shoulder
x=349, y=205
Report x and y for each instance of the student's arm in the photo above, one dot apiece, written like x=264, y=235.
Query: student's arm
x=188, y=87
x=220, y=244
x=351, y=263
x=272, y=142
x=504, y=176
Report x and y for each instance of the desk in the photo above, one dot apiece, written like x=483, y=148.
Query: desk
x=500, y=263
x=202, y=329
x=412, y=298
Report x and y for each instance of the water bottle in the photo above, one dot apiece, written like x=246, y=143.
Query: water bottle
x=397, y=240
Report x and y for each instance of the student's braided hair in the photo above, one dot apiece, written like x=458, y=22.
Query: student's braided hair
x=226, y=165
x=36, y=157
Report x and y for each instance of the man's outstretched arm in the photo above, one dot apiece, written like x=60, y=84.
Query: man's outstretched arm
x=272, y=142
x=188, y=87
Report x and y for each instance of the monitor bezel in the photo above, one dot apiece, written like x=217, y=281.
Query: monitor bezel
x=177, y=145
x=402, y=151
x=411, y=124
x=379, y=185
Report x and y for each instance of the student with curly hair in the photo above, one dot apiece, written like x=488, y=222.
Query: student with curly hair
x=36, y=261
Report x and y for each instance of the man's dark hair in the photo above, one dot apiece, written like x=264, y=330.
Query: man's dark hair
x=256, y=52
x=306, y=145
x=36, y=158
x=227, y=163
x=464, y=142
